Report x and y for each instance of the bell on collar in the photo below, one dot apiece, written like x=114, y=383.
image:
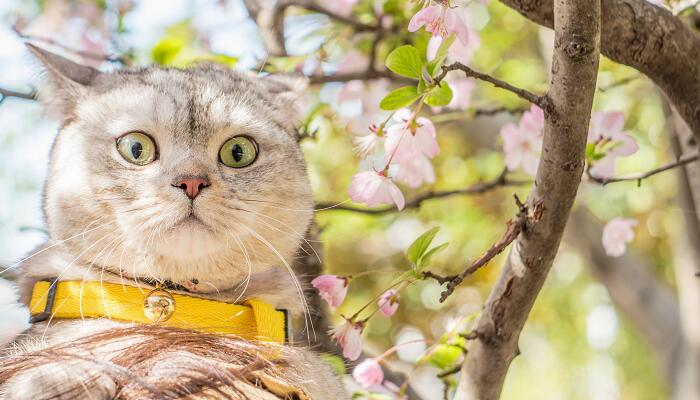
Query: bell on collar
x=159, y=305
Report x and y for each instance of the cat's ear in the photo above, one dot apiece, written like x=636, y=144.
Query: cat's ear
x=64, y=82
x=290, y=93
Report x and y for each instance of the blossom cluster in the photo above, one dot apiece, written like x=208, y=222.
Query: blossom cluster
x=400, y=149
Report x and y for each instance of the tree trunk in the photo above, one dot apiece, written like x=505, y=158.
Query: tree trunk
x=574, y=72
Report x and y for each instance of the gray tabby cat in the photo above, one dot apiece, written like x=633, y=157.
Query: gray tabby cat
x=143, y=187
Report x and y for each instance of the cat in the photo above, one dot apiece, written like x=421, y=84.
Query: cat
x=190, y=179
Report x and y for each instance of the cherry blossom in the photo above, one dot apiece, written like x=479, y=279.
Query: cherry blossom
x=368, y=373
x=331, y=288
x=414, y=172
x=616, y=234
x=409, y=138
x=441, y=20
x=522, y=143
x=605, y=132
x=374, y=188
x=349, y=338
x=388, y=303
x=366, y=144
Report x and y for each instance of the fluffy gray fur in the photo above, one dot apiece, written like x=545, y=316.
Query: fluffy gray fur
x=115, y=221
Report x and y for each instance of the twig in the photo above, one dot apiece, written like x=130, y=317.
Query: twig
x=85, y=54
x=451, y=371
x=619, y=83
x=683, y=160
x=478, y=188
x=5, y=93
x=540, y=100
x=475, y=113
x=362, y=75
x=513, y=229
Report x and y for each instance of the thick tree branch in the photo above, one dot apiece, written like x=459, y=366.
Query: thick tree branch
x=647, y=38
x=680, y=161
x=540, y=101
x=478, y=188
x=571, y=90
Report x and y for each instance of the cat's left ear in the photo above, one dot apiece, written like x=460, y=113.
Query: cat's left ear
x=290, y=94
x=65, y=82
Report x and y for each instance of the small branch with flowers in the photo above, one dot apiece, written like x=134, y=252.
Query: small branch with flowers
x=514, y=227
x=446, y=353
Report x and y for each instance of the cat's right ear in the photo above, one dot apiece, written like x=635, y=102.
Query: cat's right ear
x=64, y=82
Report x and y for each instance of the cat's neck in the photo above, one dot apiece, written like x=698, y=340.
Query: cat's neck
x=274, y=285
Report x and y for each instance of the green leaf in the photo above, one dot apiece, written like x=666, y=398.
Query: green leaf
x=405, y=61
x=420, y=245
x=399, y=98
x=439, y=96
x=336, y=363
x=424, y=261
x=440, y=55
x=443, y=356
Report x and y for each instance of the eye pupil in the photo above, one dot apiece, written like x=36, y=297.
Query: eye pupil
x=136, y=150
x=237, y=152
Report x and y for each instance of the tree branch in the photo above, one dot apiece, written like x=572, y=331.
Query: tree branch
x=539, y=100
x=647, y=38
x=513, y=229
x=571, y=90
x=363, y=75
x=5, y=93
x=478, y=188
x=681, y=161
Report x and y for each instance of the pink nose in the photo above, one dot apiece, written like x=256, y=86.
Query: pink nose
x=191, y=186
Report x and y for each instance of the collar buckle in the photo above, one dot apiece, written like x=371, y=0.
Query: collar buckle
x=50, y=298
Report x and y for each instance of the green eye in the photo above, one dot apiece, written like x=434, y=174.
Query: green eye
x=238, y=152
x=137, y=148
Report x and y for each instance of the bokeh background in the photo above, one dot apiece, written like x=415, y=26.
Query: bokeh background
x=576, y=344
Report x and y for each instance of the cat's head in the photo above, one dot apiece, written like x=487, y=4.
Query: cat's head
x=175, y=173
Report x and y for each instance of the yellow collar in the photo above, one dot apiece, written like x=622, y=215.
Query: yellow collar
x=255, y=320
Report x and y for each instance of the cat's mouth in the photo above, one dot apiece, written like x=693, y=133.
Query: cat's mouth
x=191, y=221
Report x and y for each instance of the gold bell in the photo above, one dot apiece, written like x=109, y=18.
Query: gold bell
x=158, y=306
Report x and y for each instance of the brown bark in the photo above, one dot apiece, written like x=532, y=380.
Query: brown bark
x=647, y=38
x=574, y=72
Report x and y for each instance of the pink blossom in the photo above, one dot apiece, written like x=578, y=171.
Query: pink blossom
x=349, y=338
x=414, y=172
x=522, y=143
x=368, y=373
x=606, y=133
x=332, y=288
x=388, y=303
x=365, y=145
x=441, y=20
x=616, y=234
x=340, y=7
x=408, y=139
x=373, y=188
